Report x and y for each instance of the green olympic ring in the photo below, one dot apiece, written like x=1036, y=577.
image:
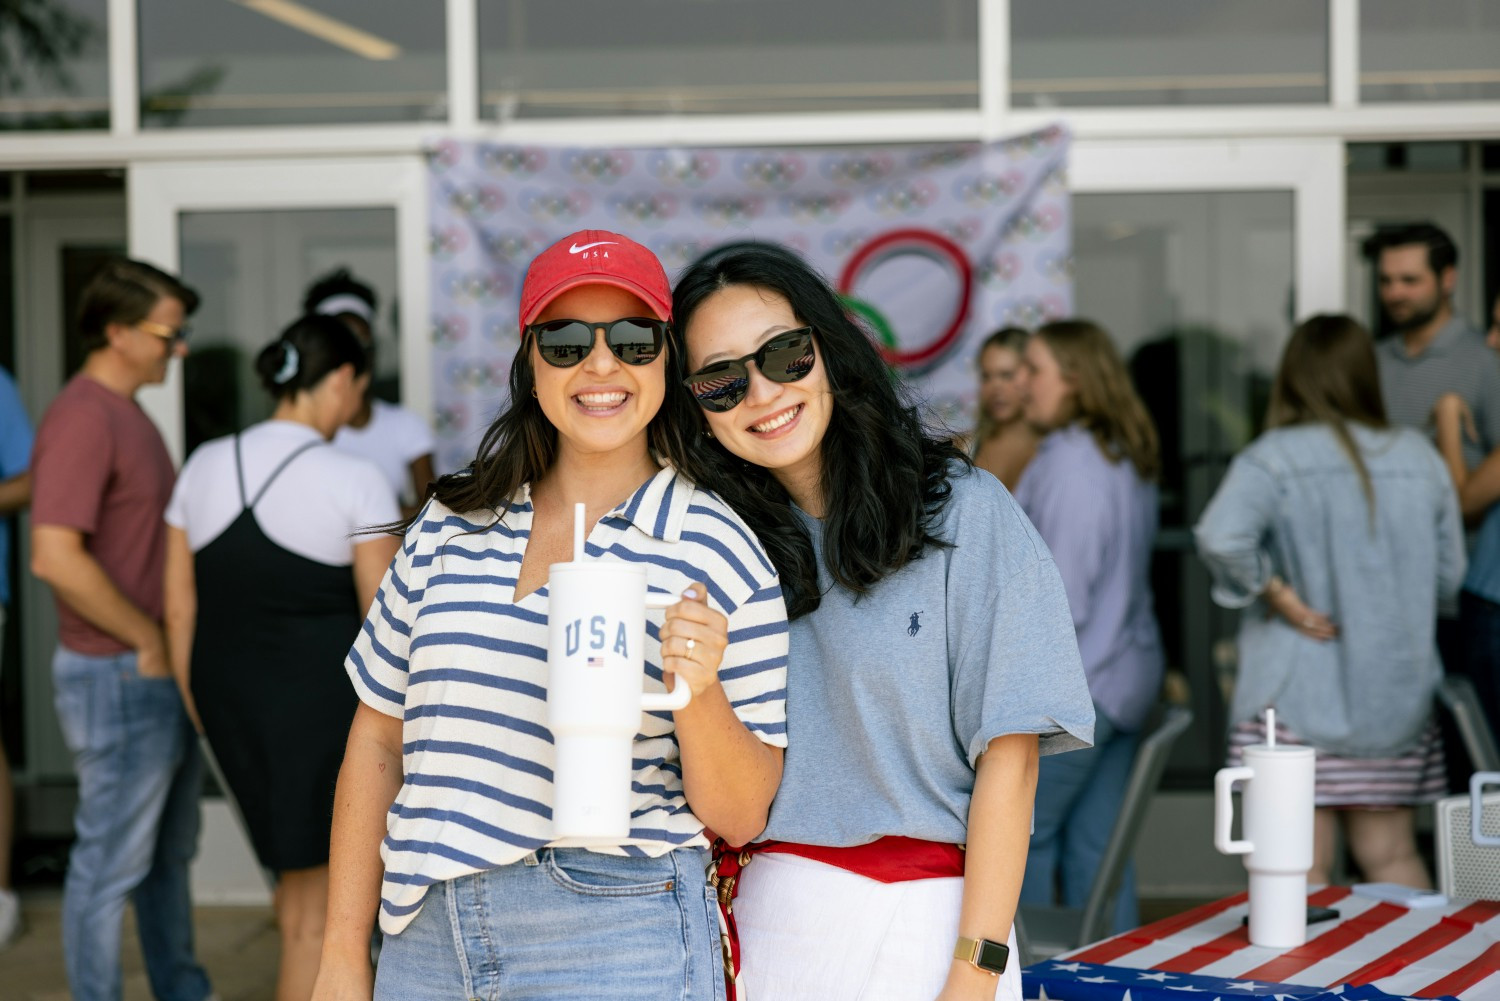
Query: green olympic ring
x=874, y=317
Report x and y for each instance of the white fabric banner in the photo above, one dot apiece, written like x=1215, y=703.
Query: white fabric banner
x=932, y=247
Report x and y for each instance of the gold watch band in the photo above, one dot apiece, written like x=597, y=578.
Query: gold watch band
x=969, y=950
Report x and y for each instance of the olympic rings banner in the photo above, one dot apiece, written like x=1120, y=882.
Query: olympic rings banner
x=932, y=247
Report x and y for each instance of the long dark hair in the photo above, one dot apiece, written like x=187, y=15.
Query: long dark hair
x=306, y=352
x=885, y=476
x=1328, y=375
x=520, y=445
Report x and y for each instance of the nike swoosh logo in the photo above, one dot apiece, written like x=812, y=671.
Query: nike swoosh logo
x=576, y=249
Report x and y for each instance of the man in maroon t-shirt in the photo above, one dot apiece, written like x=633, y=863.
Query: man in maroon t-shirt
x=101, y=479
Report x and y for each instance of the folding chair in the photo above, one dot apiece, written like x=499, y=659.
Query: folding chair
x=1045, y=931
x=1458, y=696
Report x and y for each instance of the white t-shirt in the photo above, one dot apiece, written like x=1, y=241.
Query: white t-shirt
x=392, y=439
x=312, y=509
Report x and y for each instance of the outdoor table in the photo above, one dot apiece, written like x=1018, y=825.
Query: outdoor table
x=1373, y=950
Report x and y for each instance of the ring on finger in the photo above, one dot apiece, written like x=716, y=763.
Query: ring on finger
x=690, y=644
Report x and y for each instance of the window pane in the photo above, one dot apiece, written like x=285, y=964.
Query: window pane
x=54, y=65
x=1436, y=50
x=540, y=58
x=284, y=62
x=1196, y=289
x=1432, y=158
x=252, y=269
x=1153, y=52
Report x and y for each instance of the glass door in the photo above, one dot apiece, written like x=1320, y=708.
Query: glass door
x=251, y=238
x=1197, y=256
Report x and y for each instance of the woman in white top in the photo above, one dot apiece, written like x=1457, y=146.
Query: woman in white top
x=267, y=579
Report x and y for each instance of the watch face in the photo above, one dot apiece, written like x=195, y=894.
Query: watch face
x=992, y=956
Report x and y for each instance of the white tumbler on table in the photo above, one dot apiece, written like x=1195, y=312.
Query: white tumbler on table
x=596, y=631
x=1278, y=835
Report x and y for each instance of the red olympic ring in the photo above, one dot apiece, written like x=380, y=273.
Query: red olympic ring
x=927, y=244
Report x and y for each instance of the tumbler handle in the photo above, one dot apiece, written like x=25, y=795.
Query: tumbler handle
x=1224, y=781
x=680, y=695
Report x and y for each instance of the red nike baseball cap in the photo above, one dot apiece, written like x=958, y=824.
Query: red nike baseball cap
x=595, y=257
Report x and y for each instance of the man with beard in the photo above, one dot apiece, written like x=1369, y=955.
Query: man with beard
x=1431, y=351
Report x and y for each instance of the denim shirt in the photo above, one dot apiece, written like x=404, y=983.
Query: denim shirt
x=1292, y=504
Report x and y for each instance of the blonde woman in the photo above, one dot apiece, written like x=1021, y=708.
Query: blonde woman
x=1091, y=492
x=1003, y=442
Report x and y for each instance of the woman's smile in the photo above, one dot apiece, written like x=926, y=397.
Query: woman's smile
x=602, y=401
x=779, y=424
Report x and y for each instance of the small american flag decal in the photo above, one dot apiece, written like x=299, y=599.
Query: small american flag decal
x=596, y=662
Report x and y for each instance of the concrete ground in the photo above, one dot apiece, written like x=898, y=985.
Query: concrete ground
x=237, y=944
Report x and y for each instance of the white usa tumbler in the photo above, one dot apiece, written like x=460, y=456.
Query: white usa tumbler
x=1278, y=837
x=596, y=612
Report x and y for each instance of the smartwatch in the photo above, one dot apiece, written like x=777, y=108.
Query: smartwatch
x=983, y=954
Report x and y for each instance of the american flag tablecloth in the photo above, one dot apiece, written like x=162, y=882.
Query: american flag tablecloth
x=1373, y=951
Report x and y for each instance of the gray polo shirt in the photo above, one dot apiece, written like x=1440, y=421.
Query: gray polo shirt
x=1457, y=360
x=893, y=695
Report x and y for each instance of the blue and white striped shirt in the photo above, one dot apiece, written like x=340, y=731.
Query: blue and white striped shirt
x=449, y=650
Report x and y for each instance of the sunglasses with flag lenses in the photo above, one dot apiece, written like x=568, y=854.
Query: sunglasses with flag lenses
x=722, y=385
x=635, y=340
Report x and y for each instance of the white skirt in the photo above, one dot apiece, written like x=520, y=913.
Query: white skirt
x=814, y=931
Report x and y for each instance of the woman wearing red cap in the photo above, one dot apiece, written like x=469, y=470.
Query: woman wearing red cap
x=443, y=819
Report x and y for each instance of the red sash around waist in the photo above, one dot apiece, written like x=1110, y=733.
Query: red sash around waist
x=892, y=859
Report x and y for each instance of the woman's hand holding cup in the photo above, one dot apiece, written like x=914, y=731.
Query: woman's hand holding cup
x=693, y=639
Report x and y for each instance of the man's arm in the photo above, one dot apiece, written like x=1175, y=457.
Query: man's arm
x=1487, y=407
x=15, y=494
x=60, y=558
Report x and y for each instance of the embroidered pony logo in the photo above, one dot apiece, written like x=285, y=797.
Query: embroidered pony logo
x=914, y=626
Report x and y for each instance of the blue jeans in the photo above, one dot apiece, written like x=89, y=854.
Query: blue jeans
x=563, y=923
x=139, y=777
x=1078, y=798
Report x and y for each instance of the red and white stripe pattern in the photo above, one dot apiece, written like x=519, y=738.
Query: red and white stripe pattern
x=1422, y=953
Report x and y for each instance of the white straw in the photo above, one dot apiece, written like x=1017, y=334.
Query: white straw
x=578, y=518
x=1270, y=727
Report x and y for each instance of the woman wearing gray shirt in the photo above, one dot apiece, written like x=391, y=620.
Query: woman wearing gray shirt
x=1338, y=534
x=932, y=657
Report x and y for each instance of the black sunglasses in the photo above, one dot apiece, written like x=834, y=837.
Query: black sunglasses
x=635, y=340
x=722, y=385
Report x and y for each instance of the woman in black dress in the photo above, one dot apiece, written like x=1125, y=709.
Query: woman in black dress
x=267, y=582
